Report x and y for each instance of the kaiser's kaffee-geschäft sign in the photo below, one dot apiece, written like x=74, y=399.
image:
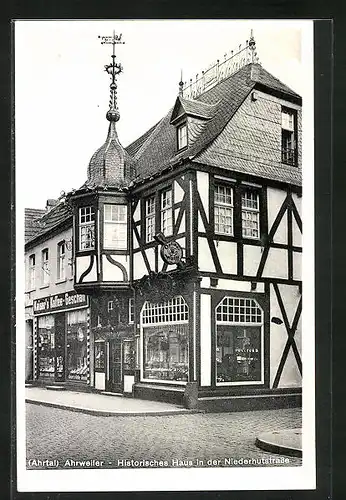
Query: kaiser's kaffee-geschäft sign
x=59, y=302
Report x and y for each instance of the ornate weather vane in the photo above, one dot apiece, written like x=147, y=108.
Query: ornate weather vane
x=113, y=70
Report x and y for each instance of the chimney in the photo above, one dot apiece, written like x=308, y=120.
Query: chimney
x=50, y=203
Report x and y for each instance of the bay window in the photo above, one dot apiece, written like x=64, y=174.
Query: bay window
x=115, y=227
x=86, y=228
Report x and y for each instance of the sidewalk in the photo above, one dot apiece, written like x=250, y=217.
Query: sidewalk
x=101, y=405
x=283, y=442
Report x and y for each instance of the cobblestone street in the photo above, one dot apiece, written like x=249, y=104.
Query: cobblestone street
x=55, y=434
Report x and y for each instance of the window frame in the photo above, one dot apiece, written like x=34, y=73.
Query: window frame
x=165, y=210
x=293, y=131
x=32, y=272
x=180, y=127
x=87, y=224
x=244, y=323
x=224, y=205
x=115, y=223
x=45, y=270
x=61, y=261
x=149, y=217
x=245, y=188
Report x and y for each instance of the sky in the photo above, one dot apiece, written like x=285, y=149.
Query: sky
x=62, y=90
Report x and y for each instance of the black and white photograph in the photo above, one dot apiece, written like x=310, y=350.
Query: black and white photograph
x=164, y=174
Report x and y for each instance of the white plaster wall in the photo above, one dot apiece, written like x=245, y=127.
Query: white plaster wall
x=290, y=376
x=205, y=260
x=55, y=286
x=297, y=266
x=129, y=380
x=203, y=189
x=178, y=192
x=296, y=233
x=251, y=258
x=275, y=198
x=110, y=271
x=205, y=343
x=276, y=264
x=100, y=381
x=227, y=252
x=92, y=275
x=139, y=267
x=137, y=213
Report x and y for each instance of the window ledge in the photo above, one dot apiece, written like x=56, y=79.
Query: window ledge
x=63, y=280
x=44, y=286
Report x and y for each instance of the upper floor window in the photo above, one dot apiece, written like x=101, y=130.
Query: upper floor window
x=131, y=310
x=115, y=227
x=182, y=136
x=86, y=228
x=61, y=260
x=288, y=136
x=166, y=212
x=32, y=262
x=149, y=219
x=45, y=267
x=250, y=214
x=223, y=209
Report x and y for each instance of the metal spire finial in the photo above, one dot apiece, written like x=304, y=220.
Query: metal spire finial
x=181, y=83
x=113, y=70
x=252, y=46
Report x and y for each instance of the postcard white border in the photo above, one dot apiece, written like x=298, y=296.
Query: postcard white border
x=192, y=479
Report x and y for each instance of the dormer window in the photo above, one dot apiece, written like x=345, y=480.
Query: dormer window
x=182, y=136
x=289, y=136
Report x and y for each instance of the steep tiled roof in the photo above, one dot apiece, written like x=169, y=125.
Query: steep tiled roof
x=31, y=228
x=261, y=76
x=46, y=222
x=156, y=149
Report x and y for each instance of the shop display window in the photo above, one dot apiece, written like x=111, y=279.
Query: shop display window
x=166, y=352
x=129, y=355
x=77, y=330
x=239, y=342
x=46, y=346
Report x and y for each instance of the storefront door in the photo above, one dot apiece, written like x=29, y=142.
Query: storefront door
x=114, y=382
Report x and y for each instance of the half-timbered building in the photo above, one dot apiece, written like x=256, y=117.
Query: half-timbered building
x=189, y=244
x=197, y=225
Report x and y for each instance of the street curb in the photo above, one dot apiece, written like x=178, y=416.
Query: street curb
x=107, y=413
x=279, y=449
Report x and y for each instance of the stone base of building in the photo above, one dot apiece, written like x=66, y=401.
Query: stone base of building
x=218, y=400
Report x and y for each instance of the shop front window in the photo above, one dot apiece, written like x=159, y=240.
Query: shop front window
x=46, y=345
x=77, y=329
x=129, y=355
x=239, y=343
x=165, y=340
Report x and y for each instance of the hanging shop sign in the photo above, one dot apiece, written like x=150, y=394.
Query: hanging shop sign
x=59, y=302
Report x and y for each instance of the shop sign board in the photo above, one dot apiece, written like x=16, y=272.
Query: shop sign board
x=60, y=302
